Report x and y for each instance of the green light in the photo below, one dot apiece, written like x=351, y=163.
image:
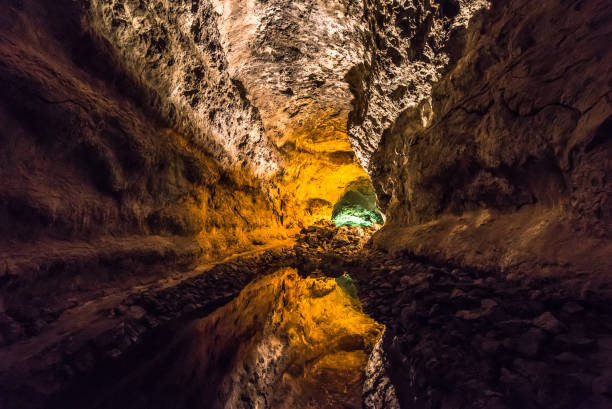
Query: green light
x=355, y=215
x=357, y=207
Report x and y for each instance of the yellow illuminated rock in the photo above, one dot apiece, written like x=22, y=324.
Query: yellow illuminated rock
x=319, y=166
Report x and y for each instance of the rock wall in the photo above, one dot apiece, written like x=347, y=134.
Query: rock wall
x=408, y=46
x=493, y=149
x=96, y=188
x=260, y=84
x=174, y=50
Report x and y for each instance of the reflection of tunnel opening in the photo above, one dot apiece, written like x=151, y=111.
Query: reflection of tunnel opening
x=357, y=207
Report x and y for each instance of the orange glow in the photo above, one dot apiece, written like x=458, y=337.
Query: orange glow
x=319, y=165
x=232, y=214
x=319, y=330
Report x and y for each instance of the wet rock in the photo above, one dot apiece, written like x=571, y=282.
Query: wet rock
x=488, y=306
x=490, y=346
x=136, y=312
x=603, y=384
x=529, y=343
x=515, y=384
x=535, y=371
x=572, y=307
x=549, y=323
x=469, y=314
x=458, y=293
x=574, y=342
x=595, y=402
x=10, y=330
x=569, y=359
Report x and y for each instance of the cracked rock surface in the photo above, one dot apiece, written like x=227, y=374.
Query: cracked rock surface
x=516, y=136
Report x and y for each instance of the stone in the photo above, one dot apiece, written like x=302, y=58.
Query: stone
x=603, y=384
x=569, y=359
x=490, y=346
x=595, y=402
x=515, y=383
x=412, y=280
x=488, y=306
x=550, y=323
x=535, y=295
x=574, y=342
x=535, y=371
x=529, y=343
x=458, y=293
x=572, y=307
x=469, y=315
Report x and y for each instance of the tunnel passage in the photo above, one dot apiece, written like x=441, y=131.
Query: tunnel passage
x=143, y=141
x=357, y=206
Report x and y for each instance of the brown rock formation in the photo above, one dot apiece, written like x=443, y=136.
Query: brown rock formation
x=95, y=187
x=511, y=162
x=145, y=141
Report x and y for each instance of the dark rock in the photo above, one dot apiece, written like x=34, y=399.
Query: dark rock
x=572, y=307
x=490, y=346
x=469, y=315
x=549, y=323
x=458, y=293
x=574, y=342
x=569, y=359
x=529, y=343
x=603, y=384
x=515, y=384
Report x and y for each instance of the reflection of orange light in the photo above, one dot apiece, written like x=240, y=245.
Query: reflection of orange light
x=313, y=323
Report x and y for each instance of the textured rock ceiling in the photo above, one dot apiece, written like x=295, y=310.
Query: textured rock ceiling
x=264, y=84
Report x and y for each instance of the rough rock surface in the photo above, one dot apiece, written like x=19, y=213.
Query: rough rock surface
x=259, y=84
x=510, y=157
x=408, y=48
x=175, y=49
x=96, y=190
x=378, y=389
x=461, y=338
x=325, y=249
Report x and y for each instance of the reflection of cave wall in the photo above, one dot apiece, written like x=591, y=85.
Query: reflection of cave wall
x=284, y=342
x=357, y=206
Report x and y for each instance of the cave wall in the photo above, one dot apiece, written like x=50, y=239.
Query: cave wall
x=174, y=50
x=97, y=188
x=141, y=136
x=502, y=157
x=259, y=84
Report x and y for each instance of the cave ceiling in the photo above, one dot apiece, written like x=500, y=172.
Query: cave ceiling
x=266, y=85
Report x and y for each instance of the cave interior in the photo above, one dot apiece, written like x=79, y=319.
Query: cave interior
x=308, y=204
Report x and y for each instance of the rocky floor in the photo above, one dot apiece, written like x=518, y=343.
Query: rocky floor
x=454, y=339
x=458, y=338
